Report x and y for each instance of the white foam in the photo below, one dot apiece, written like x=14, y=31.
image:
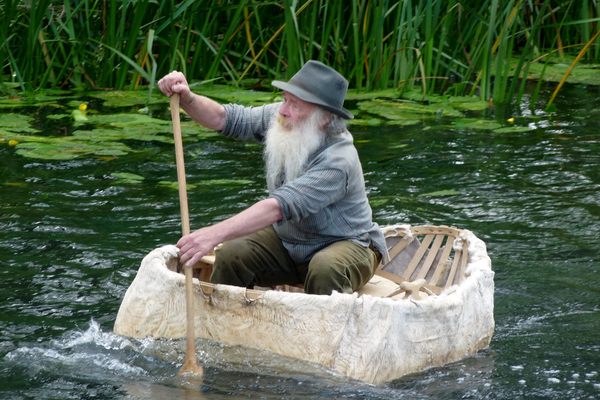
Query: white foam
x=79, y=352
x=95, y=335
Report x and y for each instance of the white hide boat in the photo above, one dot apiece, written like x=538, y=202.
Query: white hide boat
x=394, y=326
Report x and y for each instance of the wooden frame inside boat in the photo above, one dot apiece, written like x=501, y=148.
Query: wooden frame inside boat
x=425, y=259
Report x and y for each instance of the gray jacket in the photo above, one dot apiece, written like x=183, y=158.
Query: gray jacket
x=327, y=203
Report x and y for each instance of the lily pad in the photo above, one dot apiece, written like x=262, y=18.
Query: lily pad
x=15, y=184
x=136, y=133
x=366, y=122
x=127, y=177
x=225, y=182
x=514, y=129
x=68, y=149
x=379, y=202
x=355, y=95
x=191, y=130
x=555, y=70
x=174, y=185
x=399, y=110
x=48, y=97
x=16, y=123
x=468, y=103
x=418, y=96
x=131, y=120
x=404, y=122
x=79, y=116
x=441, y=193
x=56, y=117
x=120, y=98
x=477, y=124
x=236, y=95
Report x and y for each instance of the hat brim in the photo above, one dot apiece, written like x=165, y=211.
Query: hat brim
x=311, y=98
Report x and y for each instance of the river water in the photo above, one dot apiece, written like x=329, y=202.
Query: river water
x=72, y=237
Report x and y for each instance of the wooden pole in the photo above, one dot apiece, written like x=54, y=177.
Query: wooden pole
x=190, y=364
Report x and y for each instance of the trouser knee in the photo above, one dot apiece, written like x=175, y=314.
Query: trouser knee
x=256, y=259
x=343, y=266
x=229, y=268
x=326, y=274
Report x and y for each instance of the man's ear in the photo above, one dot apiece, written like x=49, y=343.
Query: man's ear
x=325, y=120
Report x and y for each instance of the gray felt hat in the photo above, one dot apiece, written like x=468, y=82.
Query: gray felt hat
x=319, y=84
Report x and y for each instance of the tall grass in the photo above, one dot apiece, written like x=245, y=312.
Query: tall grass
x=435, y=46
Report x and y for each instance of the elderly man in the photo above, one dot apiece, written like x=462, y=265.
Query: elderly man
x=315, y=227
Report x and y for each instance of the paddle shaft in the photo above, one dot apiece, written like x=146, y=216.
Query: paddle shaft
x=190, y=363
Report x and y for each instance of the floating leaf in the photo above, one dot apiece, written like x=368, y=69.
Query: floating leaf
x=477, y=124
x=6, y=136
x=16, y=123
x=379, y=201
x=79, y=116
x=418, y=96
x=468, y=103
x=131, y=120
x=68, y=149
x=513, y=129
x=174, y=185
x=193, y=130
x=404, y=122
x=135, y=133
x=49, y=97
x=399, y=110
x=235, y=95
x=56, y=117
x=366, y=122
x=15, y=184
x=226, y=182
x=441, y=193
x=127, y=177
x=554, y=72
x=354, y=94
x=119, y=98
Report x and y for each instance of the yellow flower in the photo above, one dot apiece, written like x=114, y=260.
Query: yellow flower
x=82, y=107
x=13, y=142
x=511, y=120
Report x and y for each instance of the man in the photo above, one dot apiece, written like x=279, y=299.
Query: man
x=315, y=227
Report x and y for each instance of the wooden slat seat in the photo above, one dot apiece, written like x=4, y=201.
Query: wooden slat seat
x=433, y=253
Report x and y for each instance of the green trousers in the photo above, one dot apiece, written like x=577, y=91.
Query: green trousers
x=260, y=259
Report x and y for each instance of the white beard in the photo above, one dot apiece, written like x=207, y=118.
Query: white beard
x=287, y=150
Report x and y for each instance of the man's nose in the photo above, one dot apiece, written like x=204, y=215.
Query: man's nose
x=284, y=110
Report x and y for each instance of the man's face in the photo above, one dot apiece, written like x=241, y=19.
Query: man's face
x=293, y=110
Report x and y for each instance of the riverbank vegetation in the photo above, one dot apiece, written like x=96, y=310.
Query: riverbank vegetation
x=458, y=47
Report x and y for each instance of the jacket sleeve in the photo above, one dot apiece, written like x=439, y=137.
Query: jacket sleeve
x=248, y=123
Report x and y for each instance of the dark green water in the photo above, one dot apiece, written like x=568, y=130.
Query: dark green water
x=71, y=239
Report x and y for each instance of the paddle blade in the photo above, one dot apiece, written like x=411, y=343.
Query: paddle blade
x=191, y=367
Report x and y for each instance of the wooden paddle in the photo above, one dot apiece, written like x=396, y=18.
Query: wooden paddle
x=190, y=364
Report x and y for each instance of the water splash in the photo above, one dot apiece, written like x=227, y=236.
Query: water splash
x=92, y=352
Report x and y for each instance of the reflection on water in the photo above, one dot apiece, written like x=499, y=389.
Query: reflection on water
x=72, y=237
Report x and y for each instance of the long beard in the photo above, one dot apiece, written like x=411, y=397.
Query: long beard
x=288, y=148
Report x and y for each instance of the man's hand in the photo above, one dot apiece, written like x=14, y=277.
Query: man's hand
x=175, y=82
x=196, y=245
x=203, y=110
x=199, y=243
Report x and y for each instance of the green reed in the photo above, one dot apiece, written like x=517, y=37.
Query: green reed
x=458, y=47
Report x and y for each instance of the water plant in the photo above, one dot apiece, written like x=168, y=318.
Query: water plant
x=460, y=47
